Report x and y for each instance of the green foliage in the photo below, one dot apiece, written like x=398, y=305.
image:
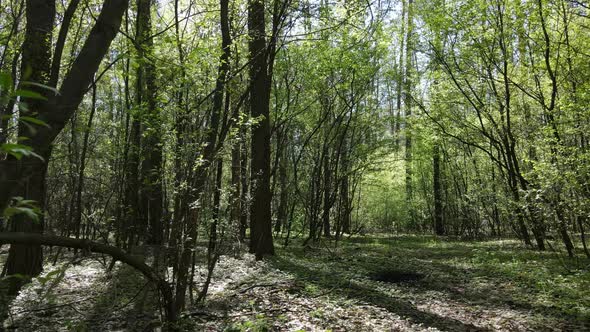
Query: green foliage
x=260, y=324
x=490, y=275
x=21, y=206
x=76, y=326
x=19, y=150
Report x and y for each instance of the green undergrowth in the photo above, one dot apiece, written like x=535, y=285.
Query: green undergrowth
x=545, y=288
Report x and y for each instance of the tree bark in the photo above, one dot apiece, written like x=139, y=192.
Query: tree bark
x=284, y=196
x=26, y=178
x=29, y=181
x=439, y=227
x=327, y=205
x=261, y=243
x=408, y=108
x=151, y=198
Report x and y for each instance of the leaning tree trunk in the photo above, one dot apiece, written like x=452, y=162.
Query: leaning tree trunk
x=26, y=178
x=150, y=273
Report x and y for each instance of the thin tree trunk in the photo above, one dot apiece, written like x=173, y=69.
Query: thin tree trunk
x=80, y=189
x=244, y=180
x=151, y=196
x=202, y=171
x=327, y=196
x=284, y=196
x=439, y=227
x=408, y=108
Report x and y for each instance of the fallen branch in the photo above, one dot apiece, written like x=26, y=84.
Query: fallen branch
x=258, y=286
x=116, y=253
x=48, y=308
x=323, y=293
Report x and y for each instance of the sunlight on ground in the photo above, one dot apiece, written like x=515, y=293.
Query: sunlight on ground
x=434, y=284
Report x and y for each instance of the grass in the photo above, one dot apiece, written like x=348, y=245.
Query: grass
x=476, y=276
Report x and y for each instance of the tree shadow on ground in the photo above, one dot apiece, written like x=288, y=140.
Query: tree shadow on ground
x=492, y=265
x=121, y=300
x=372, y=296
x=129, y=301
x=473, y=285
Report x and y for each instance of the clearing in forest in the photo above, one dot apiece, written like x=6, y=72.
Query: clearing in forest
x=372, y=283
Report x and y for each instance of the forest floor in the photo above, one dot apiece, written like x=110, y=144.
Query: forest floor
x=373, y=283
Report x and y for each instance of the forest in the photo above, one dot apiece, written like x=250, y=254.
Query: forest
x=294, y=165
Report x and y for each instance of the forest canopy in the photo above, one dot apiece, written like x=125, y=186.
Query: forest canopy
x=173, y=135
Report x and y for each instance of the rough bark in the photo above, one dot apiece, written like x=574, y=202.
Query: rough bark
x=26, y=178
x=29, y=174
x=261, y=243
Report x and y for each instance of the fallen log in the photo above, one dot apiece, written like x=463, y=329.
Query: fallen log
x=90, y=246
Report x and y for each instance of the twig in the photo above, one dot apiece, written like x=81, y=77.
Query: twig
x=324, y=293
x=134, y=296
x=259, y=312
x=52, y=307
x=257, y=286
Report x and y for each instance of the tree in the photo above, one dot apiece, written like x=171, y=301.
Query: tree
x=261, y=242
x=26, y=178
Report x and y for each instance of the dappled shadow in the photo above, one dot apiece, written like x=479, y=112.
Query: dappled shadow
x=82, y=296
x=128, y=301
x=369, y=295
x=396, y=276
x=357, y=266
x=5, y=300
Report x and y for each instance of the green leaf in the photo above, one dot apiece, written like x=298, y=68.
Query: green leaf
x=6, y=81
x=16, y=210
x=19, y=150
x=28, y=94
x=42, y=86
x=22, y=106
x=34, y=121
x=23, y=206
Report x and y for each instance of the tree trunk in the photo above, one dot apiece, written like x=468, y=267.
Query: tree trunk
x=284, y=196
x=151, y=198
x=327, y=196
x=26, y=178
x=202, y=171
x=408, y=108
x=30, y=172
x=261, y=243
x=80, y=189
x=400, y=75
x=439, y=227
x=244, y=180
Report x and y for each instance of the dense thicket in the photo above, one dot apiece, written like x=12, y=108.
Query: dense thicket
x=169, y=122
